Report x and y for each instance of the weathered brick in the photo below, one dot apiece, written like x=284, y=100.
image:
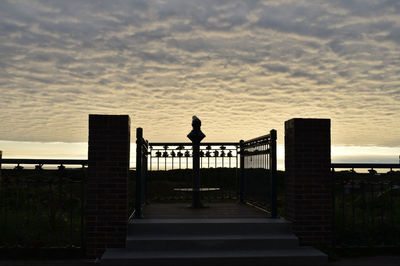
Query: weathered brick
x=308, y=179
x=109, y=149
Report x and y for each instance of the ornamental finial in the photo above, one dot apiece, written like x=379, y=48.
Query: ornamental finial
x=196, y=135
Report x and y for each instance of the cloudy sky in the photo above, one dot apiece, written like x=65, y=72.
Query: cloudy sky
x=243, y=67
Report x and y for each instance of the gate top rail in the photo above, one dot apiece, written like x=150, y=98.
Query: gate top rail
x=190, y=144
x=258, y=139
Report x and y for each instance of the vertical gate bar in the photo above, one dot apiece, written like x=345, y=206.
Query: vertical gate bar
x=70, y=212
x=237, y=154
x=274, y=207
x=151, y=158
x=30, y=208
x=144, y=170
x=60, y=181
x=17, y=211
x=138, y=200
x=215, y=155
x=3, y=203
x=364, y=205
x=391, y=207
x=353, y=208
x=333, y=207
x=83, y=180
x=48, y=210
x=146, y=173
x=371, y=209
x=342, y=184
x=382, y=213
x=242, y=174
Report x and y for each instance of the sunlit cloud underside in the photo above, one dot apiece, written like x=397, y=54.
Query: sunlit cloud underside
x=243, y=67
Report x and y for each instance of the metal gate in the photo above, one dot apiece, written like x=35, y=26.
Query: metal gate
x=258, y=184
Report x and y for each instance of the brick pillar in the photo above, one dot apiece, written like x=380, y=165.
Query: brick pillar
x=107, y=192
x=308, y=179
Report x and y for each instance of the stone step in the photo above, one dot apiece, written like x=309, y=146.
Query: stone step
x=212, y=242
x=297, y=256
x=208, y=226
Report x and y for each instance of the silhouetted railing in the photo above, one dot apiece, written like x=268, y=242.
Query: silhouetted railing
x=177, y=155
x=258, y=172
x=170, y=170
x=42, y=208
x=366, y=204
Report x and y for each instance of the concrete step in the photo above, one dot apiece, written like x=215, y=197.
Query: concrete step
x=212, y=242
x=208, y=226
x=298, y=256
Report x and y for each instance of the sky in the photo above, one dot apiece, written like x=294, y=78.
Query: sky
x=243, y=67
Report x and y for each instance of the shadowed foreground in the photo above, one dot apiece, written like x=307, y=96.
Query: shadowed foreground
x=214, y=210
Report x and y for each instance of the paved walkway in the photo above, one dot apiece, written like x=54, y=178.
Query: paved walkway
x=368, y=261
x=213, y=210
x=362, y=261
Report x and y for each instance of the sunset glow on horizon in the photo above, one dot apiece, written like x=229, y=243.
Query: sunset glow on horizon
x=58, y=150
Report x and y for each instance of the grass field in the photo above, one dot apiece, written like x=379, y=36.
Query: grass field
x=45, y=208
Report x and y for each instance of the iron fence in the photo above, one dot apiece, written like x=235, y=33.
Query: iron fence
x=258, y=173
x=176, y=155
x=169, y=175
x=42, y=208
x=366, y=205
x=170, y=167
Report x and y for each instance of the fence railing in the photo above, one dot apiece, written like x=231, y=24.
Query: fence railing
x=42, y=208
x=219, y=164
x=366, y=204
x=164, y=170
x=177, y=155
x=258, y=172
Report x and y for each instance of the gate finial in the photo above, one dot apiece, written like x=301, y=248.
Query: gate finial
x=196, y=135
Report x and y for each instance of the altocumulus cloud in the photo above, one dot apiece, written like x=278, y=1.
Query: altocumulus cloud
x=242, y=66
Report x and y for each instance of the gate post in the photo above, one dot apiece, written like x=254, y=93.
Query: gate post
x=273, y=162
x=308, y=179
x=196, y=136
x=139, y=163
x=242, y=174
x=107, y=184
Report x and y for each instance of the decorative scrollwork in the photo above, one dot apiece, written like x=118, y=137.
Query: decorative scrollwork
x=220, y=154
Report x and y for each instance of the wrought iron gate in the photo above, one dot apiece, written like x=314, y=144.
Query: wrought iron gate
x=258, y=184
x=256, y=159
